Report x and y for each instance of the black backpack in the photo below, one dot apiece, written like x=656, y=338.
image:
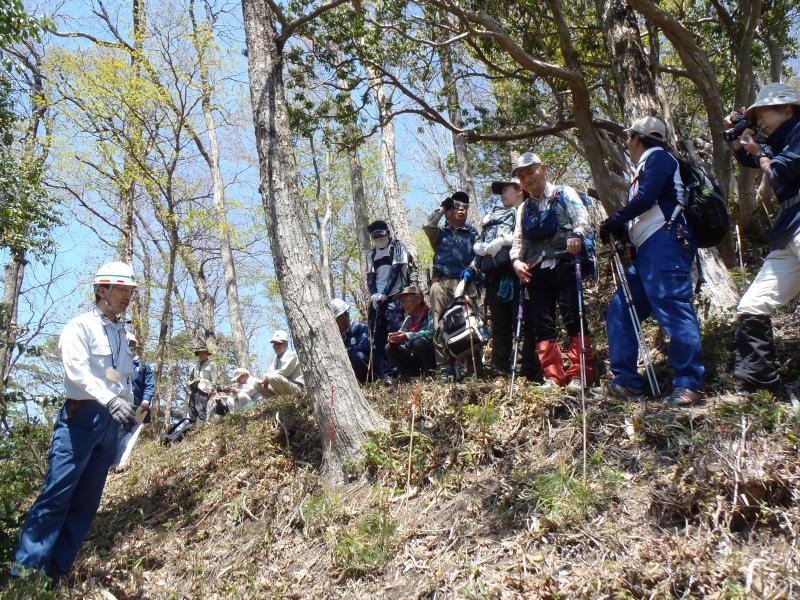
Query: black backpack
x=175, y=434
x=704, y=204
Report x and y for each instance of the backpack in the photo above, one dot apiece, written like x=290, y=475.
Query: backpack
x=412, y=272
x=544, y=225
x=462, y=329
x=175, y=433
x=704, y=205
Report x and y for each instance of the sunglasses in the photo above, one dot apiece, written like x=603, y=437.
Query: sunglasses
x=459, y=205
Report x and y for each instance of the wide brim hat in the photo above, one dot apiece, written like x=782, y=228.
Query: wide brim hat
x=238, y=372
x=525, y=160
x=198, y=349
x=409, y=290
x=773, y=94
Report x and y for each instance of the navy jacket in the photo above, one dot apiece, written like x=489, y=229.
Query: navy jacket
x=784, y=178
x=143, y=382
x=356, y=338
x=452, y=248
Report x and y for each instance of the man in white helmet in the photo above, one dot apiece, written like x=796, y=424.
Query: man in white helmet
x=355, y=336
x=776, y=113
x=98, y=369
x=285, y=375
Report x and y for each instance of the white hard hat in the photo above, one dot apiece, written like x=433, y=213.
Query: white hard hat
x=525, y=159
x=279, y=336
x=774, y=94
x=238, y=372
x=115, y=273
x=131, y=337
x=339, y=307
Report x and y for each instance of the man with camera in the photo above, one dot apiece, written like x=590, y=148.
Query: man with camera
x=776, y=113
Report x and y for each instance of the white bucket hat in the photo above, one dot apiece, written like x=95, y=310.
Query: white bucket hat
x=238, y=372
x=774, y=94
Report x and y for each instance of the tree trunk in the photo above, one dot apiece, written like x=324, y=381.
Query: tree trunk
x=201, y=37
x=12, y=286
x=396, y=208
x=360, y=214
x=206, y=327
x=347, y=416
x=165, y=323
x=127, y=193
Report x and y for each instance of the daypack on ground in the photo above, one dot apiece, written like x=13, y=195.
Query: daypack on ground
x=176, y=433
x=704, y=204
x=461, y=329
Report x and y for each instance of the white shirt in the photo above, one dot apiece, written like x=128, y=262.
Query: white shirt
x=249, y=388
x=288, y=366
x=646, y=224
x=90, y=345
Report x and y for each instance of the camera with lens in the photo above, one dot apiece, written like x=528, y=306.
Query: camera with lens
x=739, y=125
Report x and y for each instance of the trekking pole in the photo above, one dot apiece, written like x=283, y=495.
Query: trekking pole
x=622, y=282
x=579, y=286
x=741, y=258
x=516, y=342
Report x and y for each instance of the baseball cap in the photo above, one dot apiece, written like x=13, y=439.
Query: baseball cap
x=526, y=159
x=652, y=127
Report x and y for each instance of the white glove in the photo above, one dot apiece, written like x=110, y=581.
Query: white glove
x=479, y=248
x=493, y=247
x=377, y=299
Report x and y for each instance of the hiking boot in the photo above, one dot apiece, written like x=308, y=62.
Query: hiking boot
x=447, y=374
x=684, y=397
x=621, y=392
x=548, y=384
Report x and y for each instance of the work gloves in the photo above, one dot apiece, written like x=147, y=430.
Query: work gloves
x=122, y=411
x=376, y=300
x=609, y=228
x=479, y=248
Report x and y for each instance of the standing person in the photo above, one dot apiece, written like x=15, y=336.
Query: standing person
x=493, y=259
x=777, y=114
x=143, y=380
x=355, y=336
x=660, y=277
x=411, y=347
x=285, y=375
x=202, y=382
x=98, y=368
x=452, y=256
x=550, y=229
x=387, y=275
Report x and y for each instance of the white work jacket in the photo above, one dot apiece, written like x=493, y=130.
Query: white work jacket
x=91, y=344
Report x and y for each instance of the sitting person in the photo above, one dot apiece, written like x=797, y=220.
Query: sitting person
x=355, y=337
x=243, y=393
x=411, y=348
x=284, y=375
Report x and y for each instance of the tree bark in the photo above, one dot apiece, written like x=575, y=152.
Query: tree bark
x=206, y=301
x=360, y=214
x=164, y=324
x=396, y=208
x=340, y=408
x=9, y=309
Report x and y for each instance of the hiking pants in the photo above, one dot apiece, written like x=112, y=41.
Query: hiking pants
x=503, y=320
x=360, y=363
x=661, y=285
x=777, y=284
x=197, y=405
x=81, y=452
x=387, y=319
x=550, y=289
x=413, y=357
x=278, y=385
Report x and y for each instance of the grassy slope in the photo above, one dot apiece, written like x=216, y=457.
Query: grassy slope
x=677, y=503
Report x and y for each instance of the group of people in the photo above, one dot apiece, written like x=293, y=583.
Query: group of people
x=529, y=258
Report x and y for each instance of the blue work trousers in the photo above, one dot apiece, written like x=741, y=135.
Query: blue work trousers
x=387, y=319
x=661, y=284
x=360, y=363
x=82, y=450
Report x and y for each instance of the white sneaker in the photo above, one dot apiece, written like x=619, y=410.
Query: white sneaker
x=574, y=386
x=548, y=384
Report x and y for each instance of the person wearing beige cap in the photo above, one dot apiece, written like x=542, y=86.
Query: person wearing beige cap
x=550, y=228
x=776, y=111
x=411, y=348
x=284, y=375
x=660, y=277
x=203, y=379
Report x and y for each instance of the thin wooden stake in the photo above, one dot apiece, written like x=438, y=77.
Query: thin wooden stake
x=330, y=425
x=414, y=400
